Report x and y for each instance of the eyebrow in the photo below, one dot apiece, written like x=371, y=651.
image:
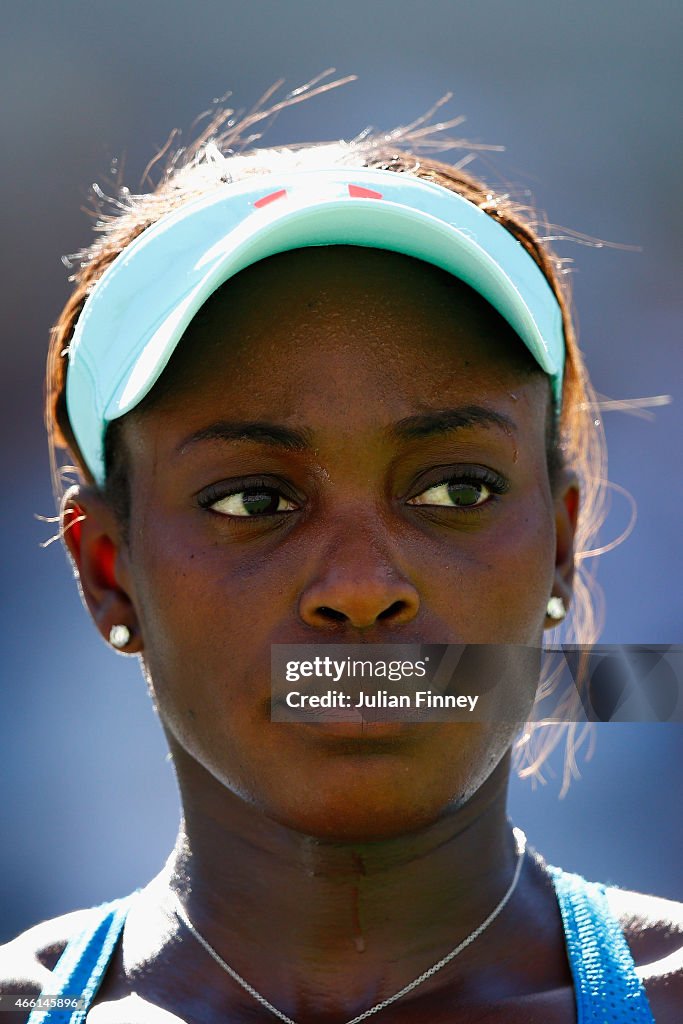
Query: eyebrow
x=443, y=421
x=260, y=431
x=411, y=428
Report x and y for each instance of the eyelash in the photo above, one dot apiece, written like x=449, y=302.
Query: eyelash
x=496, y=484
x=220, y=491
x=476, y=475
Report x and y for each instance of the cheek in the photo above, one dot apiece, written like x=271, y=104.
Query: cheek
x=205, y=623
x=203, y=589
x=522, y=566
x=492, y=586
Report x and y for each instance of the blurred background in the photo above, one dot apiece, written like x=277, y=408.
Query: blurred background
x=585, y=99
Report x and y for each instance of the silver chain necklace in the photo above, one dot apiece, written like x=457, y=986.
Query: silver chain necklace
x=520, y=839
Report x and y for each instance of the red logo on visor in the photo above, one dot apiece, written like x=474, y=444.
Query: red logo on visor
x=358, y=192
x=265, y=200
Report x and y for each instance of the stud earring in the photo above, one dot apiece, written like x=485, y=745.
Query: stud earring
x=555, y=609
x=119, y=636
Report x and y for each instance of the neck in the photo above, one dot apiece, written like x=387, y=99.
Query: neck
x=311, y=922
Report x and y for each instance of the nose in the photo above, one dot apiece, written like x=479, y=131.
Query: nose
x=359, y=588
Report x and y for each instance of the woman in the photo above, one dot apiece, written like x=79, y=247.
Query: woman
x=331, y=395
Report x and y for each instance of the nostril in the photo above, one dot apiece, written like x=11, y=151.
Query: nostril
x=393, y=610
x=332, y=614
x=358, y=605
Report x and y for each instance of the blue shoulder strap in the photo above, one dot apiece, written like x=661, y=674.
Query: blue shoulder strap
x=81, y=967
x=605, y=981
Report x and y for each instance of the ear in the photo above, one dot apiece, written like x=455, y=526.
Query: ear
x=567, y=502
x=92, y=536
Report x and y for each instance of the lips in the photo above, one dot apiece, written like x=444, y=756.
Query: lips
x=354, y=729
x=360, y=734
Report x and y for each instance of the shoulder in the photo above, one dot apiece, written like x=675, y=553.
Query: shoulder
x=653, y=928
x=45, y=942
x=27, y=962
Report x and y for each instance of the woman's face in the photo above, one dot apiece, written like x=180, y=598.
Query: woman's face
x=348, y=446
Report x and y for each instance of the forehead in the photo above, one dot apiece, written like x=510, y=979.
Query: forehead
x=303, y=320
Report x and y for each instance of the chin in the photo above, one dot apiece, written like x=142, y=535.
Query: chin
x=364, y=816
x=355, y=826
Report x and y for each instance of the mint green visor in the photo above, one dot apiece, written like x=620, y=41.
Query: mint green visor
x=140, y=308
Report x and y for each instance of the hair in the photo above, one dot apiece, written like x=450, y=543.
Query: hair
x=224, y=153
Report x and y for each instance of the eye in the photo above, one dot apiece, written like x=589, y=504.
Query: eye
x=463, y=491
x=258, y=500
x=456, y=494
